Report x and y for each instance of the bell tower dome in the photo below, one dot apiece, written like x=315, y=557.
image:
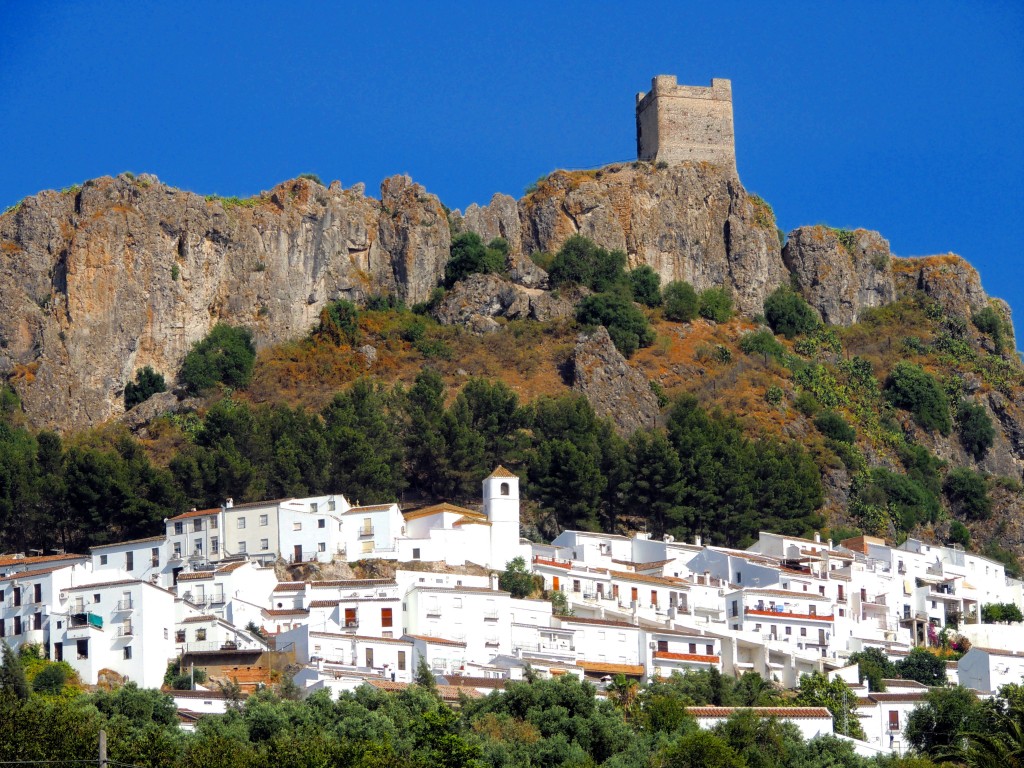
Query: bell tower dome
x=501, y=505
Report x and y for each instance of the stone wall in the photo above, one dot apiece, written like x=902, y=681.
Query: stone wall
x=684, y=123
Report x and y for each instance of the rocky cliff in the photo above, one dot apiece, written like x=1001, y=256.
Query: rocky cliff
x=98, y=281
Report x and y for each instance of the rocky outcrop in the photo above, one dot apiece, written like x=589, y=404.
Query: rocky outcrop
x=500, y=218
x=947, y=279
x=475, y=301
x=99, y=281
x=158, y=405
x=691, y=222
x=613, y=388
x=840, y=275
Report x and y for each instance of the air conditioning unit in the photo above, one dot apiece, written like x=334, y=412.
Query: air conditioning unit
x=63, y=595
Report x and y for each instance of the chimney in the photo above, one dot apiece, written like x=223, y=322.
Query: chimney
x=830, y=544
x=696, y=540
x=229, y=503
x=817, y=537
x=494, y=581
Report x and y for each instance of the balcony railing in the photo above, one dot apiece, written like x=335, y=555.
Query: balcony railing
x=433, y=613
x=125, y=605
x=364, y=531
x=125, y=630
x=352, y=624
x=77, y=620
x=490, y=616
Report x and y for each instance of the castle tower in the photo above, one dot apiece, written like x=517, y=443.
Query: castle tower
x=501, y=505
x=686, y=123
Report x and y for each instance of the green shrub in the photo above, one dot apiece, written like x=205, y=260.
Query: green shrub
x=912, y=388
x=470, y=256
x=834, y=426
x=807, y=403
x=773, y=395
x=339, y=323
x=992, y=613
x=627, y=325
x=680, y=301
x=990, y=323
x=51, y=679
x=311, y=177
x=147, y=383
x=975, y=427
x=582, y=262
x=425, y=307
x=762, y=342
x=788, y=314
x=959, y=534
x=434, y=348
x=645, y=285
x=715, y=304
x=967, y=492
x=226, y=356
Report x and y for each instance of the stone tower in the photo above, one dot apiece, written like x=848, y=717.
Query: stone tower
x=501, y=505
x=685, y=123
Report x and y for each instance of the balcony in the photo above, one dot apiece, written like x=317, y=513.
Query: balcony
x=365, y=531
x=76, y=620
x=433, y=613
x=125, y=630
x=125, y=605
x=491, y=643
x=490, y=616
x=352, y=624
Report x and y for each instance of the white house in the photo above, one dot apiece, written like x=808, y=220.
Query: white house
x=986, y=670
x=811, y=721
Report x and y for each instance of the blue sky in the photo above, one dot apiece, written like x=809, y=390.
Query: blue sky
x=904, y=118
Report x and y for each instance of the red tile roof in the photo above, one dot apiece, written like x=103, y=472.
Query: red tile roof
x=786, y=713
x=786, y=615
x=611, y=669
x=500, y=471
x=195, y=576
x=438, y=640
x=194, y=513
x=8, y=560
x=124, y=543
x=446, y=692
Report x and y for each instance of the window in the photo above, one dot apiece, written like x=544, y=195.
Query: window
x=813, y=610
x=504, y=489
x=241, y=523
x=296, y=526
x=789, y=630
x=321, y=523
x=96, y=598
x=693, y=648
x=401, y=660
x=821, y=590
x=3, y=628
x=197, y=524
x=103, y=559
x=165, y=633
x=37, y=620
x=367, y=546
x=197, y=546
x=179, y=528
x=127, y=651
x=177, y=549
x=321, y=546
x=179, y=636
x=330, y=505
x=37, y=593
x=385, y=617
x=82, y=647
x=17, y=596
x=154, y=556
x=416, y=553
x=241, y=547
x=129, y=561
x=214, y=545
x=842, y=612
x=735, y=608
x=350, y=618
x=17, y=625
x=663, y=646
x=709, y=649
x=314, y=506
x=894, y=720
x=803, y=631
x=213, y=523
x=739, y=577
x=264, y=520
x=575, y=585
x=264, y=544
x=201, y=634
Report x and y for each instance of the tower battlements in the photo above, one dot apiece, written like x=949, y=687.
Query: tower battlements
x=686, y=123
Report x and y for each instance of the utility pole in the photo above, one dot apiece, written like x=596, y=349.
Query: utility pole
x=103, y=749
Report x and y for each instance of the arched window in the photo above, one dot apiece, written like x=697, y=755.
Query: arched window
x=504, y=489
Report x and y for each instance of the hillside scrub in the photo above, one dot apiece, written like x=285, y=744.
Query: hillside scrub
x=912, y=388
x=627, y=325
x=147, y=383
x=581, y=262
x=226, y=356
x=680, y=301
x=470, y=256
x=787, y=314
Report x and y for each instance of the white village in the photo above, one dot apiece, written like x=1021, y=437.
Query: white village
x=207, y=593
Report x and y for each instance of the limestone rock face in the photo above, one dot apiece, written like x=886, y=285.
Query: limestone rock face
x=477, y=299
x=612, y=387
x=500, y=218
x=948, y=279
x=98, y=282
x=691, y=222
x=840, y=280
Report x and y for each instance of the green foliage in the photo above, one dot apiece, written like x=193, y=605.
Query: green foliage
x=13, y=682
x=700, y=749
x=847, y=239
x=470, y=256
x=680, y=301
x=582, y=262
x=764, y=215
x=967, y=492
x=923, y=666
x=715, y=304
x=989, y=322
x=993, y=550
x=934, y=727
x=226, y=356
x=788, y=314
x=818, y=691
x=773, y=395
x=627, y=325
x=995, y=613
x=645, y=285
x=912, y=388
x=959, y=534
x=834, y=426
x=975, y=427
x=516, y=579
x=339, y=323
x=764, y=343
x=874, y=666
x=175, y=272
x=311, y=177
x=51, y=679
x=147, y=383
x=899, y=499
